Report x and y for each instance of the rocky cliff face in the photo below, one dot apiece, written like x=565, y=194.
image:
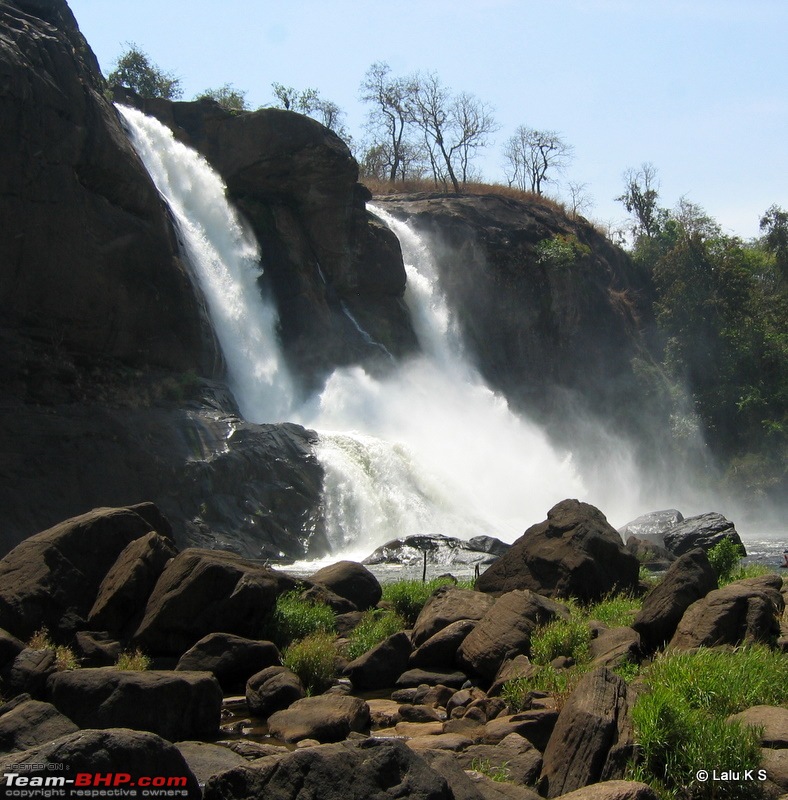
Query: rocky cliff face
x=553, y=314
x=331, y=266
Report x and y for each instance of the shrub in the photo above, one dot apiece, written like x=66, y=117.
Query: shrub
x=375, y=626
x=725, y=558
x=407, y=597
x=314, y=660
x=135, y=660
x=680, y=721
x=65, y=657
x=295, y=618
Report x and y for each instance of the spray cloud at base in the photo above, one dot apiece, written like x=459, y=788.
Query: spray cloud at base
x=428, y=447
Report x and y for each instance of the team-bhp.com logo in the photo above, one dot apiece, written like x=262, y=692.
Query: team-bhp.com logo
x=95, y=784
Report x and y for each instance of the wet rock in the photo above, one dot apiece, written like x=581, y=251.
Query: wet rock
x=574, y=553
x=439, y=549
x=651, y=527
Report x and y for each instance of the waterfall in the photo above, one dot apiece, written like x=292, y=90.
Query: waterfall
x=428, y=449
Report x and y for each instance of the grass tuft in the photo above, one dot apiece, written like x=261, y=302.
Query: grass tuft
x=408, y=597
x=295, y=618
x=314, y=660
x=375, y=626
x=134, y=660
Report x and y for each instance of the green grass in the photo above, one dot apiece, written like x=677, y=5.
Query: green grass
x=135, y=660
x=295, y=618
x=314, y=660
x=725, y=559
x=562, y=637
x=407, y=597
x=615, y=610
x=499, y=773
x=680, y=721
x=558, y=682
x=375, y=626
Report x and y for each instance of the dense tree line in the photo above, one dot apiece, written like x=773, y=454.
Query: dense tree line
x=722, y=307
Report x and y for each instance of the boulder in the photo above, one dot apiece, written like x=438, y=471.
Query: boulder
x=591, y=726
x=273, y=689
x=206, y=760
x=183, y=705
x=704, y=531
x=775, y=762
x=431, y=677
x=471, y=785
x=745, y=611
x=650, y=555
x=10, y=648
x=440, y=650
x=118, y=751
x=124, y=592
x=380, y=666
x=322, y=594
x=352, y=581
x=26, y=723
x=440, y=549
x=651, y=527
x=614, y=790
x=574, y=553
x=372, y=768
x=514, y=755
x=232, y=659
x=51, y=579
x=96, y=648
x=446, y=605
x=207, y=591
x=505, y=631
x=326, y=718
x=28, y=672
x=773, y=721
x=535, y=725
x=614, y=646
x=688, y=579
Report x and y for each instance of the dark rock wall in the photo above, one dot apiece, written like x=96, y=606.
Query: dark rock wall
x=88, y=260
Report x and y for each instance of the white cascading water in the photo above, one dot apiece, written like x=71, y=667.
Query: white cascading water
x=429, y=449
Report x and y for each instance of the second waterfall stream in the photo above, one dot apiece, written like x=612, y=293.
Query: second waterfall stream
x=428, y=449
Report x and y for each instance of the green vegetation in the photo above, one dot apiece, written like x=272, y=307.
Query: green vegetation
x=227, y=96
x=407, y=597
x=561, y=251
x=615, y=610
x=499, y=773
x=295, y=618
x=725, y=559
x=135, y=70
x=314, y=660
x=133, y=660
x=557, y=682
x=680, y=722
x=562, y=637
x=375, y=626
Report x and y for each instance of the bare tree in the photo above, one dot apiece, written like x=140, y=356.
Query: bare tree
x=580, y=202
x=641, y=192
x=387, y=120
x=473, y=123
x=530, y=154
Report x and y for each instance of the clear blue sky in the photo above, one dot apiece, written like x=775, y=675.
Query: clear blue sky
x=699, y=88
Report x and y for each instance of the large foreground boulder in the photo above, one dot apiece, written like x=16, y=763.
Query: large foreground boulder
x=51, y=579
x=704, y=531
x=744, y=612
x=688, y=579
x=26, y=723
x=174, y=705
x=373, y=769
x=208, y=591
x=505, y=631
x=592, y=739
x=118, y=751
x=575, y=552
